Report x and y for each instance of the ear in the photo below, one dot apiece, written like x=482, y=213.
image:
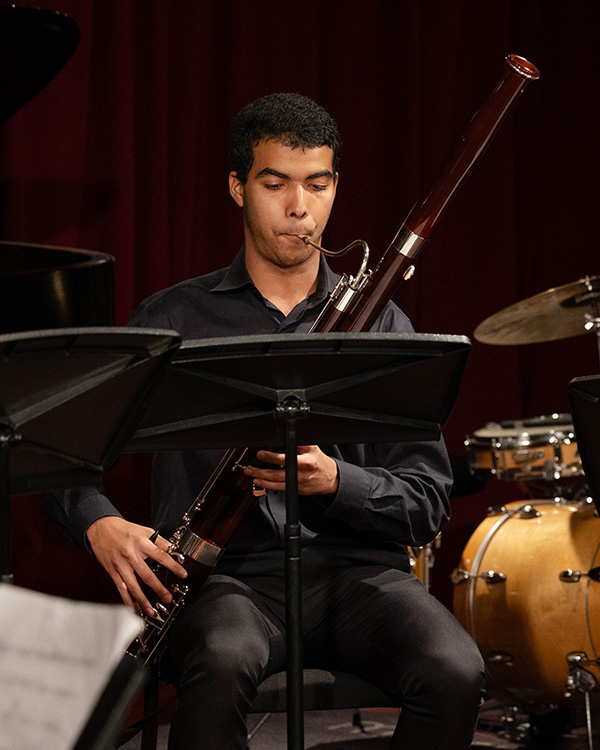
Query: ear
x=335, y=183
x=236, y=189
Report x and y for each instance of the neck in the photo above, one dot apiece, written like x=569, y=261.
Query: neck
x=284, y=287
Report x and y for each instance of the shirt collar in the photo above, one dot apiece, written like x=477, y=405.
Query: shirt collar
x=236, y=276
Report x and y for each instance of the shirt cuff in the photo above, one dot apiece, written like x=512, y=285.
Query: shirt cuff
x=90, y=509
x=354, y=486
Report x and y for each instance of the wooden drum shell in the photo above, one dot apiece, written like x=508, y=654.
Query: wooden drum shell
x=526, y=625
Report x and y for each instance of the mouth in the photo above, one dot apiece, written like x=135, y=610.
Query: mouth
x=294, y=236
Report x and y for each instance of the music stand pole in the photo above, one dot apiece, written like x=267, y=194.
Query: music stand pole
x=6, y=436
x=354, y=387
x=290, y=409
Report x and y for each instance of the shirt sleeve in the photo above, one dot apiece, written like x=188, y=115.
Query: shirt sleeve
x=75, y=510
x=398, y=492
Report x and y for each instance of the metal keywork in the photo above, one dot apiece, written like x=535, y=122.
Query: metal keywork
x=155, y=627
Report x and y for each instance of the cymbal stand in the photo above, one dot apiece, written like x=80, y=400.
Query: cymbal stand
x=593, y=321
x=584, y=681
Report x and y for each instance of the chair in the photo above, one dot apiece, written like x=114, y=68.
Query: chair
x=323, y=690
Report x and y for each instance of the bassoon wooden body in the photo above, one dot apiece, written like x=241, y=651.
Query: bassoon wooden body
x=353, y=306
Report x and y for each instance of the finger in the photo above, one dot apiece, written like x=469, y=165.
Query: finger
x=124, y=593
x=270, y=457
x=161, y=555
x=131, y=588
x=261, y=476
x=162, y=544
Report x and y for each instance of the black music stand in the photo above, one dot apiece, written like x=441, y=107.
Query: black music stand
x=70, y=398
x=299, y=389
x=584, y=394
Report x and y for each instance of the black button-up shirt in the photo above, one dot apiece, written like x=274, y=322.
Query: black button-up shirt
x=389, y=495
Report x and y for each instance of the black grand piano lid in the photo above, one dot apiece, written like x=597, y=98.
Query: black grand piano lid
x=41, y=286
x=54, y=287
x=34, y=45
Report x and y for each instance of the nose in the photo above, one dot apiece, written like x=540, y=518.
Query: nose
x=297, y=207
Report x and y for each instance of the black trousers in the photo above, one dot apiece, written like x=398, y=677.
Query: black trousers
x=367, y=619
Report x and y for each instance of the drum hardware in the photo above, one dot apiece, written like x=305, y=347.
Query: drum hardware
x=422, y=559
x=583, y=680
x=527, y=512
x=496, y=510
x=489, y=576
x=501, y=657
x=573, y=576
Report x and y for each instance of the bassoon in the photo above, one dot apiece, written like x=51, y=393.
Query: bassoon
x=354, y=305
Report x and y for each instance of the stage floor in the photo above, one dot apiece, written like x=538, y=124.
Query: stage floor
x=337, y=730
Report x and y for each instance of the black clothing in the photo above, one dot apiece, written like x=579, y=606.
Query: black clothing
x=389, y=494
x=364, y=612
x=370, y=620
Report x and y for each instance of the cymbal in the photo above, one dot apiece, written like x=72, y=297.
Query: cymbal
x=557, y=313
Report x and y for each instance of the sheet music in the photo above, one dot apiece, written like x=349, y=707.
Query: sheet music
x=56, y=657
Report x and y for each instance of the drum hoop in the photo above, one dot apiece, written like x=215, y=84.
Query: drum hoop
x=587, y=605
x=510, y=439
x=485, y=543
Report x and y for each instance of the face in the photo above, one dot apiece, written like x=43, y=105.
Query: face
x=288, y=192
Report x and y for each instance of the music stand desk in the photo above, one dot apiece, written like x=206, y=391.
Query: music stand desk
x=69, y=400
x=584, y=394
x=300, y=389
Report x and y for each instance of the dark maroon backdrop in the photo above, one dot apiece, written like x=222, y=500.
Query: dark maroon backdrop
x=125, y=152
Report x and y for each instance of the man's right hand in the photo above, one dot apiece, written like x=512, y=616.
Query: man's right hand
x=123, y=549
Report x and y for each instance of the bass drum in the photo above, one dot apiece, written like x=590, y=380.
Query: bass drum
x=523, y=592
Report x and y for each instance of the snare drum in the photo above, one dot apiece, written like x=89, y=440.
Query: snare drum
x=541, y=448
x=523, y=592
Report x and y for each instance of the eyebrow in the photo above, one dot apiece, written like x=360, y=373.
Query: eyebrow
x=282, y=176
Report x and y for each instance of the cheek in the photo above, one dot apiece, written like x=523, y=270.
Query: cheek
x=322, y=211
x=259, y=214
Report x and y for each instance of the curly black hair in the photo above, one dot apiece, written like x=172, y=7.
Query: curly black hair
x=291, y=119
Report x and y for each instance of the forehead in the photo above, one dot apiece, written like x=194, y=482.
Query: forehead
x=294, y=162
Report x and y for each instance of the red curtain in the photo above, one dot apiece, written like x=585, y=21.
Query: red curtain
x=125, y=152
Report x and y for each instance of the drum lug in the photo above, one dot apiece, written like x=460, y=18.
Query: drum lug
x=496, y=510
x=573, y=576
x=489, y=576
x=570, y=575
x=528, y=511
x=459, y=576
x=501, y=657
x=493, y=576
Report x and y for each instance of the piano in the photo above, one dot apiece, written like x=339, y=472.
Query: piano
x=44, y=287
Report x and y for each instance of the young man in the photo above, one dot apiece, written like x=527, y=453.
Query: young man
x=363, y=611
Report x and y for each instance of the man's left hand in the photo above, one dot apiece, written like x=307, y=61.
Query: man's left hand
x=317, y=472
